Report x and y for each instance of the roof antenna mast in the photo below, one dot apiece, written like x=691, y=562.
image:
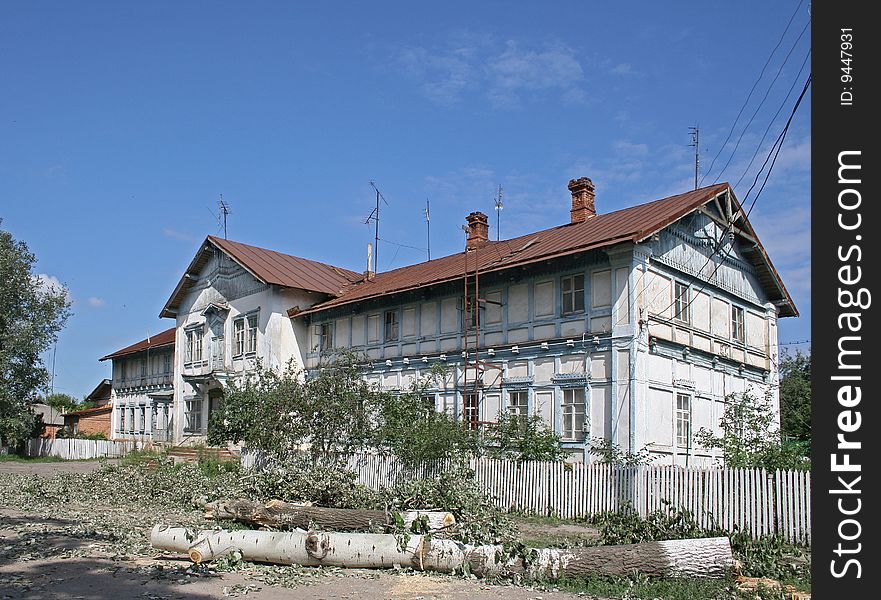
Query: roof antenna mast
x=374, y=216
x=499, y=208
x=428, y=225
x=222, y=213
x=695, y=143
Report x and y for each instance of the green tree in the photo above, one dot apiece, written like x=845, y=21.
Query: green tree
x=749, y=435
x=795, y=399
x=335, y=412
x=522, y=437
x=610, y=453
x=31, y=315
x=63, y=402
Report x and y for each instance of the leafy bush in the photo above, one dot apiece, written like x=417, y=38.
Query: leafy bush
x=334, y=412
x=522, y=438
x=750, y=437
x=608, y=452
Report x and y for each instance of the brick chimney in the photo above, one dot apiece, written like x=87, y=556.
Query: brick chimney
x=478, y=229
x=583, y=195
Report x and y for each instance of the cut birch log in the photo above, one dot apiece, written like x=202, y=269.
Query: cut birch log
x=278, y=514
x=702, y=557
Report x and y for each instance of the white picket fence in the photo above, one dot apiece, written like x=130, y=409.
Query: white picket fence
x=756, y=500
x=77, y=449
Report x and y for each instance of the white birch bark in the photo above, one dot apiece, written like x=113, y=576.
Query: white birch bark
x=702, y=557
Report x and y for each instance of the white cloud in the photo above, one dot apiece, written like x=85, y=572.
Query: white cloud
x=177, y=235
x=623, y=69
x=50, y=283
x=630, y=149
x=96, y=302
x=505, y=74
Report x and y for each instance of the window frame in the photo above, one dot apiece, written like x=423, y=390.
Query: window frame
x=252, y=326
x=395, y=323
x=194, y=341
x=572, y=294
x=518, y=409
x=683, y=419
x=238, y=336
x=575, y=408
x=677, y=300
x=471, y=409
x=738, y=331
x=325, y=336
x=189, y=405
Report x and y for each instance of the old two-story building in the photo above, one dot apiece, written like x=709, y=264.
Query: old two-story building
x=632, y=326
x=141, y=389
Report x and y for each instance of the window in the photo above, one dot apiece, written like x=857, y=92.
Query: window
x=391, y=326
x=681, y=302
x=239, y=337
x=737, y=323
x=121, y=428
x=573, y=414
x=121, y=371
x=130, y=419
x=572, y=292
x=518, y=402
x=471, y=410
x=252, y=334
x=325, y=337
x=142, y=417
x=166, y=363
x=193, y=415
x=194, y=345
x=683, y=420
x=471, y=314
x=143, y=365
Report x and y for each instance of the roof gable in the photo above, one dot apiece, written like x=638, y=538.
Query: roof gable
x=165, y=338
x=267, y=266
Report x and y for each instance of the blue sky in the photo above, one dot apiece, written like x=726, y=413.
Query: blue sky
x=122, y=123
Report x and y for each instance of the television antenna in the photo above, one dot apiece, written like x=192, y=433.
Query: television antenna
x=223, y=212
x=695, y=143
x=428, y=226
x=374, y=216
x=499, y=208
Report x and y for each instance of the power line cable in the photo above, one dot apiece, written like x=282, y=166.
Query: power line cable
x=774, y=118
x=745, y=102
x=775, y=151
x=762, y=102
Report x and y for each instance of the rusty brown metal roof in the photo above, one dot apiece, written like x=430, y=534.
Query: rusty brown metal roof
x=286, y=270
x=632, y=224
x=268, y=266
x=166, y=338
x=104, y=408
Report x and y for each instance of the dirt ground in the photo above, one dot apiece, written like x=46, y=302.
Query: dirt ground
x=71, y=552
x=46, y=557
x=50, y=468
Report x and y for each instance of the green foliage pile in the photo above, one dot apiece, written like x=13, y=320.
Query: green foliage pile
x=455, y=490
x=769, y=556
